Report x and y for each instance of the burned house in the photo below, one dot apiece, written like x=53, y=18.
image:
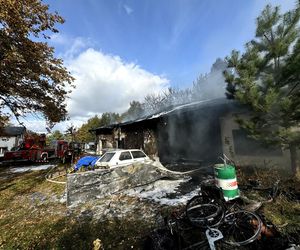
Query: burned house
x=199, y=131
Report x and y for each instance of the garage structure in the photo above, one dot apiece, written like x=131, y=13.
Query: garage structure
x=199, y=131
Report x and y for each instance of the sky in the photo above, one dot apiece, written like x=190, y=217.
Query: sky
x=121, y=50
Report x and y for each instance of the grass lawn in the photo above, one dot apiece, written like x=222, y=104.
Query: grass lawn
x=33, y=216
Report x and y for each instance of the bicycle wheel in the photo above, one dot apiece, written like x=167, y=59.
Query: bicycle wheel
x=241, y=227
x=202, y=212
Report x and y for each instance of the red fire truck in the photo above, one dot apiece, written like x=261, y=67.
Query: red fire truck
x=34, y=149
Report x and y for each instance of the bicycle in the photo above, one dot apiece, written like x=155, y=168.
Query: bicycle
x=236, y=227
x=205, y=220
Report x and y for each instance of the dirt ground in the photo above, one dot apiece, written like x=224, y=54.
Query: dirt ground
x=33, y=213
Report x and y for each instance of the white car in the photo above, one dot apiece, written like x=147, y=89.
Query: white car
x=117, y=158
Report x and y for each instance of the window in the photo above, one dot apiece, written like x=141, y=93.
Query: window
x=125, y=156
x=138, y=154
x=106, y=157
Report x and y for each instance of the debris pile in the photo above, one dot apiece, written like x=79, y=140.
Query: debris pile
x=86, y=186
x=208, y=222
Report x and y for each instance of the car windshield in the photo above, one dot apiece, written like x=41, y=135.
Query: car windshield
x=106, y=157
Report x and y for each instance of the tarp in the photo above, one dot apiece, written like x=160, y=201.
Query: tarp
x=86, y=161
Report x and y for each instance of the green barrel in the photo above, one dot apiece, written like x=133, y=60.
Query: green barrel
x=225, y=178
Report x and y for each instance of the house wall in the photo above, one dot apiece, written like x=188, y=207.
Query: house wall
x=193, y=136
x=134, y=139
x=150, y=143
x=8, y=142
x=104, y=141
x=256, y=155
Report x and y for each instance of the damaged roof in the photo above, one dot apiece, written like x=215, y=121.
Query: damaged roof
x=12, y=131
x=171, y=111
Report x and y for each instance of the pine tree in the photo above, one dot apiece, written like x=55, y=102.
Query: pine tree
x=266, y=79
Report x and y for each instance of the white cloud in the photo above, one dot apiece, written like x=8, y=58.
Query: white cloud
x=39, y=125
x=106, y=83
x=36, y=125
x=127, y=9
x=69, y=45
x=75, y=47
x=58, y=38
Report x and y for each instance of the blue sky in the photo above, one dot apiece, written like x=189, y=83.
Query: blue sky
x=176, y=38
x=121, y=50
